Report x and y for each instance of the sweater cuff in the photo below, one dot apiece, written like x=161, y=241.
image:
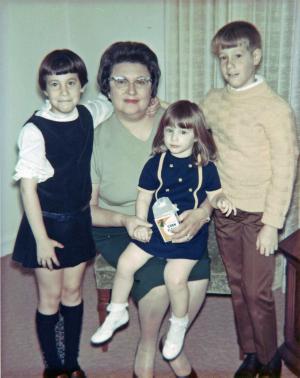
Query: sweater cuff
x=273, y=220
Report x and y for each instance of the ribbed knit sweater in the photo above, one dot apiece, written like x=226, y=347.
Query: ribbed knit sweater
x=254, y=131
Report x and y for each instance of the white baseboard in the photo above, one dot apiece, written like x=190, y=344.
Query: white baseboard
x=7, y=246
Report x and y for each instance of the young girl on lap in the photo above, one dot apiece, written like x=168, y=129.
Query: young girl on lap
x=181, y=169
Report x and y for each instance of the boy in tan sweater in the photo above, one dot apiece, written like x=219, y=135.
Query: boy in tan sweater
x=255, y=134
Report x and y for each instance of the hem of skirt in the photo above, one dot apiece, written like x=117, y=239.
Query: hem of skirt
x=55, y=267
x=139, y=294
x=169, y=255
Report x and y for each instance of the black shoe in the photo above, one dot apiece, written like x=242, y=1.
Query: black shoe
x=272, y=369
x=53, y=373
x=249, y=368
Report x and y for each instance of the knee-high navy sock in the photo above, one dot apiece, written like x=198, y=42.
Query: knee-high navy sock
x=45, y=326
x=72, y=317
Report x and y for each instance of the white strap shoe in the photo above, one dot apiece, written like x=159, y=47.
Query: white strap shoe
x=113, y=321
x=175, y=338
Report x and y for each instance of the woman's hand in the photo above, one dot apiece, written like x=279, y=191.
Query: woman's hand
x=46, y=255
x=192, y=221
x=153, y=107
x=131, y=222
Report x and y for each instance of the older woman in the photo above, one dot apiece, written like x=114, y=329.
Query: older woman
x=129, y=76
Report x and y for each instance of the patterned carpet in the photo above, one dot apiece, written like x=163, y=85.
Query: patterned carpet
x=210, y=345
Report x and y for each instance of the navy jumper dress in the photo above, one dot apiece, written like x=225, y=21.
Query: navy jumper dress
x=65, y=197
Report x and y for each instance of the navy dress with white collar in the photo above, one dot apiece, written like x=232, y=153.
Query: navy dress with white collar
x=65, y=197
x=186, y=184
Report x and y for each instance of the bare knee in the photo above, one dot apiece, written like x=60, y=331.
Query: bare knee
x=176, y=285
x=49, y=301
x=175, y=282
x=71, y=294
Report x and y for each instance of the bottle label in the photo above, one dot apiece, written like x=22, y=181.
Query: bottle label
x=166, y=225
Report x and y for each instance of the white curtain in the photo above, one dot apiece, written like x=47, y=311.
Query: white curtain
x=191, y=70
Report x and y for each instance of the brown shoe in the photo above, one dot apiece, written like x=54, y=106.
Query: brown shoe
x=78, y=374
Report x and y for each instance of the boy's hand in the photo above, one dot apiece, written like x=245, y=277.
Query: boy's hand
x=153, y=107
x=267, y=240
x=142, y=234
x=45, y=252
x=226, y=206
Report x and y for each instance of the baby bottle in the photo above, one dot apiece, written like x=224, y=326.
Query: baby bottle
x=165, y=216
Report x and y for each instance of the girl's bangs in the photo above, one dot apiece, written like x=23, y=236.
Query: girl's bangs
x=61, y=66
x=180, y=124
x=184, y=125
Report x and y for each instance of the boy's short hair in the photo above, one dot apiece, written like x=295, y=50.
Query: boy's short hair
x=60, y=62
x=231, y=34
x=129, y=52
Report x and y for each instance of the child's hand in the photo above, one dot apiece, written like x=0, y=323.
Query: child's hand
x=131, y=222
x=226, y=206
x=142, y=234
x=267, y=240
x=45, y=252
x=153, y=107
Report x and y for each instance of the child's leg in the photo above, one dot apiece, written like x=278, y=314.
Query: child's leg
x=71, y=309
x=176, y=276
x=129, y=262
x=250, y=276
x=132, y=259
x=49, y=285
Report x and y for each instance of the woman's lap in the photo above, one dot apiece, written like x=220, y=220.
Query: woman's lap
x=112, y=241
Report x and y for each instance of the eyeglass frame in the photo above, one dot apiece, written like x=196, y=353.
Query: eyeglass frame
x=115, y=78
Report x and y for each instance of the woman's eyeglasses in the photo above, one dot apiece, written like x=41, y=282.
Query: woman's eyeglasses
x=120, y=82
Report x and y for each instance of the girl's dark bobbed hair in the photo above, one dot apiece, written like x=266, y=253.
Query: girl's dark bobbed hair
x=60, y=62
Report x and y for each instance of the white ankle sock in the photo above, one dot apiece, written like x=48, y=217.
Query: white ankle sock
x=180, y=321
x=116, y=307
x=175, y=336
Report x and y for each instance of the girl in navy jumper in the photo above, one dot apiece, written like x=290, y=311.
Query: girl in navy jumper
x=55, y=237
x=181, y=169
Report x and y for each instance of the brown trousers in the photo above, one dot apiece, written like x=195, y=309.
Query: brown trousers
x=250, y=276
